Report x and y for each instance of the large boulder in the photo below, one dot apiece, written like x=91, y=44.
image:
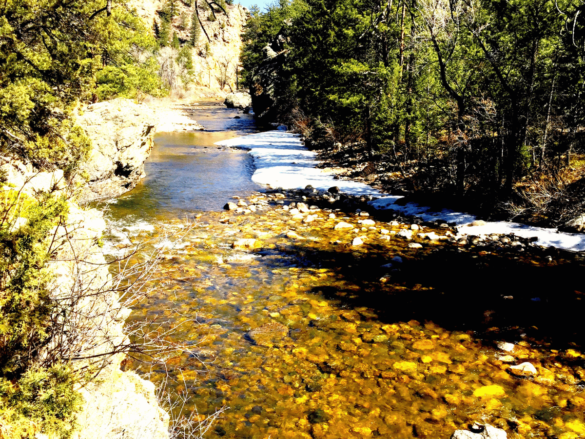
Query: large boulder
x=122, y=134
x=240, y=100
x=23, y=176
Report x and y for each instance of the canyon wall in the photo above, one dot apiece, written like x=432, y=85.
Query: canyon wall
x=216, y=60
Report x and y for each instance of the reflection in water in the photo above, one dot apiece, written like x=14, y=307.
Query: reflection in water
x=186, y=172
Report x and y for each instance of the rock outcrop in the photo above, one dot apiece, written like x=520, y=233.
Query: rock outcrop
x=122, y=138
x=239, y=100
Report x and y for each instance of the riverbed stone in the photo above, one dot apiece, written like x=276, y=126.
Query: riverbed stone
x=268, y=333
x=487, y=432
x=523, y=370
x=343, y=225
x=356, y=242
x=405, y=234
x=302, y=207
x=505, y=346
x=244, y=243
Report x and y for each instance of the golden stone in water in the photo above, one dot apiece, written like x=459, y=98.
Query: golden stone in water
x=424, y=345
x=489, y=391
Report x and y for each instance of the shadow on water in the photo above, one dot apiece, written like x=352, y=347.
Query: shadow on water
x=499, y=297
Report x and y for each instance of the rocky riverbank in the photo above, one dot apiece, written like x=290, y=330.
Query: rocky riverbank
x=116, y=403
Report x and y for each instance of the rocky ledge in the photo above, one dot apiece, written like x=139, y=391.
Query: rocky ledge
x=122, y=138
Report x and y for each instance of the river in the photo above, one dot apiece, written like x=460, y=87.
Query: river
x=296, y=333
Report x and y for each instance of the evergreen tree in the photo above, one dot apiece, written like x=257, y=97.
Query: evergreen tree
x=164, y=34
x=173, y=8
x=176, y=44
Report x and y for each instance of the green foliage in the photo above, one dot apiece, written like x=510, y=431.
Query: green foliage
x=164, y=34
x=263, y=27
x=50, y=55
x=129, y=81
x=176, y=44
x=25, y=303
x=433, y=81
x=42, y=400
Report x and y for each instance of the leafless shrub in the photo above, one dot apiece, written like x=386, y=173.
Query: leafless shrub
x=185, y=422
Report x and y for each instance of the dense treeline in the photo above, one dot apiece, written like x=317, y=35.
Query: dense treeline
x=461, y=96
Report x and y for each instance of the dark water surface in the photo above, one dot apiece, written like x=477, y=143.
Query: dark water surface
x=186, y=172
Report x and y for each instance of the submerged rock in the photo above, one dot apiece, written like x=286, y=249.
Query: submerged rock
x=343, y=225
x=523, y=370
x=268, y=334
x=482, y=432
x=244, y=243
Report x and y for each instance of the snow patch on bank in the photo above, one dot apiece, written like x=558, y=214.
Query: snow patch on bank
x=282, y=160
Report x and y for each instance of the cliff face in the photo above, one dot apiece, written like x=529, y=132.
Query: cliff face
x=122, y=138
x=216, y=60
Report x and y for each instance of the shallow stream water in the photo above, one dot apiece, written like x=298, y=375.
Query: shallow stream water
x=187, y=173
x=299, y=334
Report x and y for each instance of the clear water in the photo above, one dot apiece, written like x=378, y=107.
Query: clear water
x=187, y=173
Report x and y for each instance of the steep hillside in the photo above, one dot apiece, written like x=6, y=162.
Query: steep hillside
x=216, y=54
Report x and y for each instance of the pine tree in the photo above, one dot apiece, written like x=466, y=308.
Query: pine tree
x=176, y=43
x=195, y=30
x=164, y=32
